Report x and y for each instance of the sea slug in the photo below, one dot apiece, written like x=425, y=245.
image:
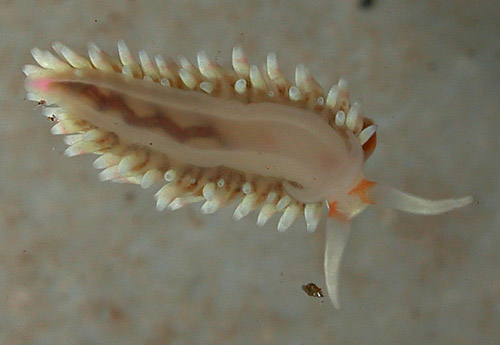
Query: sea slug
x=214, y=135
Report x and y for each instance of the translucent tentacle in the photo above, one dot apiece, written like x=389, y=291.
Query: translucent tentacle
x=391, y=197
x=336, y=233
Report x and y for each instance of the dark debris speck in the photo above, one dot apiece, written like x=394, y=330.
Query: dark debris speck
x=367, y=3
x=129, y=196
x=312, y=290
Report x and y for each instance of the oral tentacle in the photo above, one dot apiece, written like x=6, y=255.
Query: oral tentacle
x=394, y=198
x=336, y=236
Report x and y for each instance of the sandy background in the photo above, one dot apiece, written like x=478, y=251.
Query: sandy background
x=86, y=262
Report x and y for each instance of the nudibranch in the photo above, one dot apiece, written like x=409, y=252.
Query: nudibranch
x=215, y=135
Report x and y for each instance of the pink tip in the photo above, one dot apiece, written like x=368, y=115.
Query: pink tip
x=40, y=84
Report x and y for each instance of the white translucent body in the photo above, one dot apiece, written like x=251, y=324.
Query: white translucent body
x=268, y=139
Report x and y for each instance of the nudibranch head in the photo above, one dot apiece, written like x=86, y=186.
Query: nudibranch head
x=215, y=135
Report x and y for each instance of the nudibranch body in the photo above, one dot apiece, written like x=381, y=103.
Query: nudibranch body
x=216, y=134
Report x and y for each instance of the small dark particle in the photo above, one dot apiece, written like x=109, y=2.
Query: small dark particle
x=472, y=52
x=415, y=313
x=129, y=196
x=312, y=290
x=432, y=66
x=95, y=20
x=150, y=144
x=367, y=3
x=116, y=313
x=41, y=102
x=52, y=118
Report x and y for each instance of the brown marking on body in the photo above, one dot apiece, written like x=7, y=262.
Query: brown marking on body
x=107, y=100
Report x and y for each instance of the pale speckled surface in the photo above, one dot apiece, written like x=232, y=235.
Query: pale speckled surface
x=85, y=262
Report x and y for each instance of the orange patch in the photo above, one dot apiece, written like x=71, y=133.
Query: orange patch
x=362, y=191
x=332, y=210
x=333, y=213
